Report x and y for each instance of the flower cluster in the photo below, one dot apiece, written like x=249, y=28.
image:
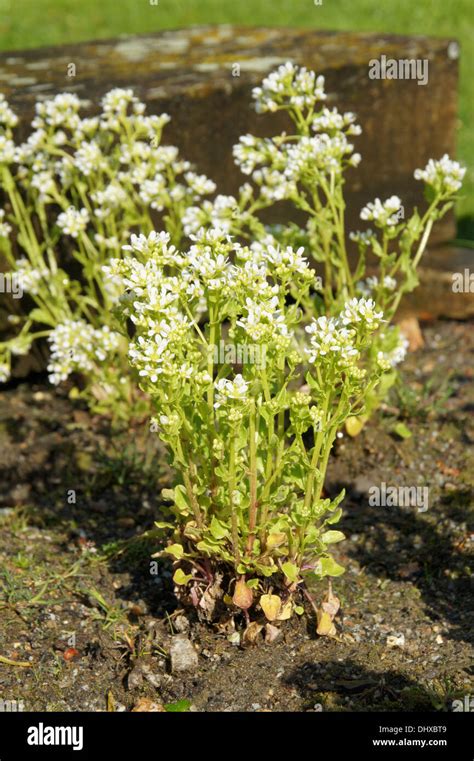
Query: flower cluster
x=289, y=85
x=383, y=214
x=81, y=186
x=77, y=347
x=444, y=176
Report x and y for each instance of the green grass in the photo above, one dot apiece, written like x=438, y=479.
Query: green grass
x=31, y=23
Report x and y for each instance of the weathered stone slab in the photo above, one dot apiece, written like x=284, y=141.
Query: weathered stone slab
x=190, y=74
x=438, y=294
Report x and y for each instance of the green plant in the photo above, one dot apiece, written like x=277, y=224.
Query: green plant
x=306, y=167
x=75, y=190
x=248, y=407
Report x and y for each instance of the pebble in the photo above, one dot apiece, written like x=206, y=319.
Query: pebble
x=181, y=624
x=396, y=640
x=183, y=655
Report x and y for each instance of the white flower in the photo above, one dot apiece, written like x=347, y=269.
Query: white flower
x=444, y=175
x=228, y=391
x=386, y=360
x=288, y=259
x=44, y=183
x=362, y=238
x=389, y=283
x=73, y=221
x=7, y=117
x=117, y=100
x=89, y=158
x=367, y=286
x=153, y=192
x=383, y=214
x=289, y=84
x=76, y=345
x=263, y=321
x=29, y=277
x=361, y=310
x=5, y=228
x=60, y=111
x=329, y=338
x=333, y=120
x=7, y=150
x=199, y=183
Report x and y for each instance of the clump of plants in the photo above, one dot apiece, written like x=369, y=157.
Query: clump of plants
x=79, y=187
x=307, y=167
x=74, y=192
x=254, y=343
x=249, y=434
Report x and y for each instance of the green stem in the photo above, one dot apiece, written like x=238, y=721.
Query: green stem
x=253, y=477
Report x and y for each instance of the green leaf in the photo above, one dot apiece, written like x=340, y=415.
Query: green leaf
x=291, y=571
x=402, y=430
x=218, y=529
x=163, y=524
x=331, y=537
x=335, y=517
x=176, y=550
x=180, y=577
x=253, y=583
x=41, y=316
x=180, y=707
x=329, y=567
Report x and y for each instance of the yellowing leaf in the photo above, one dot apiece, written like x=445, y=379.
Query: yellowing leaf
x=326, y=627
x=331, y=537
x=354, y=425
x=286, y=611
x=326, y=614
x=243, y=595
x=271, y=606
x=275, y=540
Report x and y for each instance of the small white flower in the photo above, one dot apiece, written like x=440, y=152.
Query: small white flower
x=383, y=214
x=361, y=310
x=444, y=175
x=7, y=117
x=73, y=221
x=228, y=391
x=5, y=228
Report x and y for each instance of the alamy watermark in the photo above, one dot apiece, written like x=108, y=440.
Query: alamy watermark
x=465, y=705
x=399, y=496
x=11, y=706
x=46, y=735
x=10, y=283
x=463, y=282
x=239, y=354
x=399, y=68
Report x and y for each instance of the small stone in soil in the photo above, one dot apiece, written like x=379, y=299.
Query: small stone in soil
x=396, y=640
x=181, y=624
x=183, y=655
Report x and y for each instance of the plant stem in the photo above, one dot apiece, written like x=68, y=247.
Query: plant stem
x=233, y=511
x=253, y=477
